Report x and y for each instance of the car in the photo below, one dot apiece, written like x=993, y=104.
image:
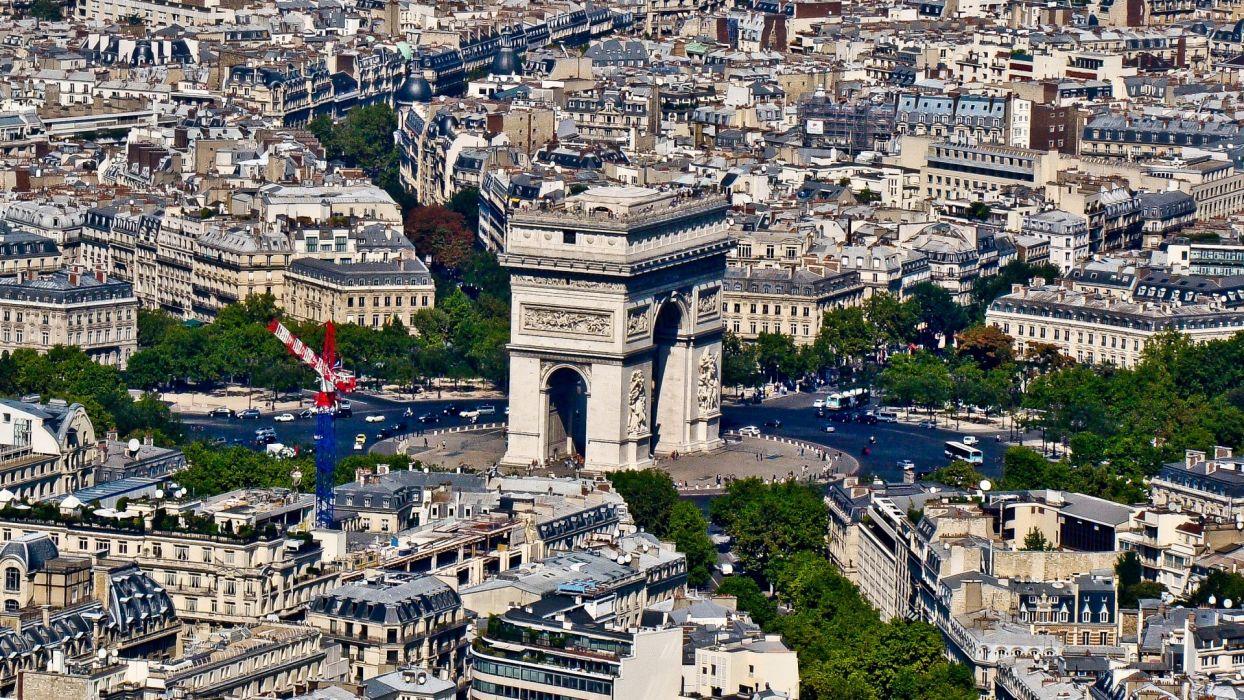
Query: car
x=926, y=423
x=374, y=418
x=249, y=414
x=359, y=441
x=307, y=413
x=868, y=418
x=749, y=431
x=221, y=412
x=284, y=418
x=398, y=427
x=819, y=403
x=384, y=434
x=217, y=441
x=345, y=405
x=969, y=440
x=887, y=416
x=773, y=423
x=449, y=410
x=486, y=410
x=830, y=429
x=468, y=414
x=906, y=464
x=429, y=418
x=343, y=412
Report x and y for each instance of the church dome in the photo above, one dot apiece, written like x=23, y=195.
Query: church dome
x=506, y=62
x=414, y=89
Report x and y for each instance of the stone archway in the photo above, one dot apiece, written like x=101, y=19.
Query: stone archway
x=565, y=413
x=669, y=377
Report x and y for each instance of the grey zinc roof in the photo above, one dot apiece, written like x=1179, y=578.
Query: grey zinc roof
x=395, y=598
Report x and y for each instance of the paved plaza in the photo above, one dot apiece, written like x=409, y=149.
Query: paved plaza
x=767, y=458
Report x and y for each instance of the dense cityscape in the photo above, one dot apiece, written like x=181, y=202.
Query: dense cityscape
x=764, y=350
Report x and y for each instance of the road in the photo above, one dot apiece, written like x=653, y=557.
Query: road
x=895, y=441
x=301, y=431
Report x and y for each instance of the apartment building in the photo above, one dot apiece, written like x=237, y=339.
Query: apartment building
x=979, y=172
x=46, y=449
x=1212, y=488
x=391, y=620
x=1097, y=329
x=212, y=580
x=70, y=307
x=1066, y=233
x=1132, y=137
x=785, y=300
x=525, y=654
x=372, y=294
x=1166, y=543
x=26, y=252
x=1208, y=259
x=156, y=14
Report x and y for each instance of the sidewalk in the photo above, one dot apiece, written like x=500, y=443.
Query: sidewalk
x=237, y=398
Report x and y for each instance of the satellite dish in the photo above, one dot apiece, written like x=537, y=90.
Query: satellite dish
x=1227, y=603
x=986, y=485
x=134, y=444
x=1212, y=600
x=159, y=493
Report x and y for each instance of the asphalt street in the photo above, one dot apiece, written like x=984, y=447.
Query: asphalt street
x=895, y=441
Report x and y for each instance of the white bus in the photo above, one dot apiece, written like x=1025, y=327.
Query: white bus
x=850, y=398
x=958, y=450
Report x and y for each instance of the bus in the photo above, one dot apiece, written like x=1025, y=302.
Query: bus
x=958, y=450
x=851, y=398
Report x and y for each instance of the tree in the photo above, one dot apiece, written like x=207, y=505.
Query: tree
x=739, y=365
x=650, y=497
x=940, y=315
x=919, y=379
x=47, y=10
x=771, y=521
x=154, y=326
x=894, y=321
x=1035, y=541
x=1132, y=588
x=1222, y=585
x=986, y=289
x=777, y=357
x=689, y=531
x=466, y=203
x=867, y=196
x=958, y=474
x=749, y=598
x=364, y=139
x=440, y=233
x=979, y=211
x=988, y=346
x=846, y=336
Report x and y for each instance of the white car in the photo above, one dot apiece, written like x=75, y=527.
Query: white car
x=374, y=418
x=749, y=431
x=819, y=403
x=830, y=429
x=468, y=413
x=969, y=440
x=284, y=418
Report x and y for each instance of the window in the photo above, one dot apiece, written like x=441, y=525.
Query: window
x=12, y=579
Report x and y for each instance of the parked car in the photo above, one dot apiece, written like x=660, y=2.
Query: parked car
x=749, y=431
x=283, y=418
x=221, y=412
x=969, y=440
x=927, y=423
x=374, y=418
x=886, y=416
x=249, y=414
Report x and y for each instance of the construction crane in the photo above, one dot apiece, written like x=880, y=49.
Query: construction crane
x=333, y=381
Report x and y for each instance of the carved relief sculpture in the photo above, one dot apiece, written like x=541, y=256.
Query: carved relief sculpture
x=708, y=393
x=637, y=321
x=637, y=399
x=707, y=303
x=581, y=322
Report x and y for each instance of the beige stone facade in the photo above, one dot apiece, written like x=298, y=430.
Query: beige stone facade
x=367, y=294
x=69, y=307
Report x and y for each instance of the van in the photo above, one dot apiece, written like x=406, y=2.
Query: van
x=486, y=410
x=887, y=416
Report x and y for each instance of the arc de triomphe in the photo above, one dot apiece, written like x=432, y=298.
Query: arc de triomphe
x=615, y=347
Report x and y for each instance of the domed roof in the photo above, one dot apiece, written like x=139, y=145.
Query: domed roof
x=414, y=89
x=506, y=62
